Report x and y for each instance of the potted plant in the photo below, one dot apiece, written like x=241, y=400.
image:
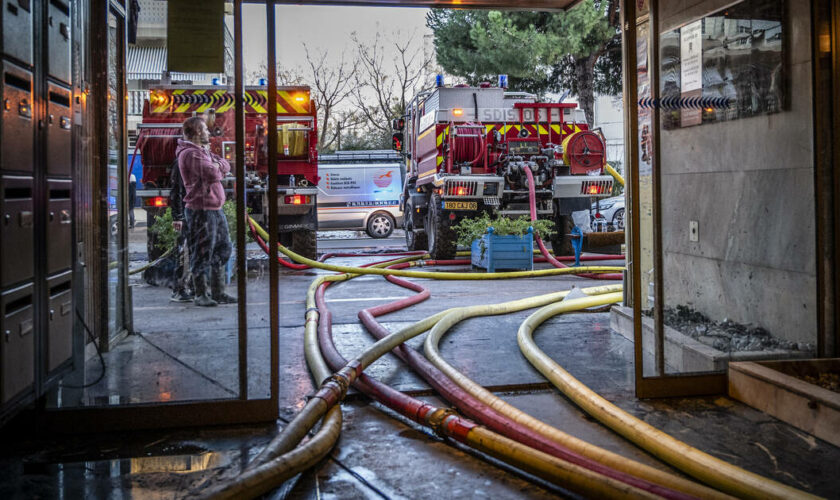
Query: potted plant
x=502, y=242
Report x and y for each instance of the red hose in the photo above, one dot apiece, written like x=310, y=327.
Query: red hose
x=417, y=410
x=554, y=262
x=469, y=405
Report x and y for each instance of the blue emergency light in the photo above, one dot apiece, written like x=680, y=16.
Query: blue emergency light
x=216, y=81
x=503, y=82
x=263, y=82
x=438, y=80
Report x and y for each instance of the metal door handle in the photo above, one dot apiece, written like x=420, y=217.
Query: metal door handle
x=52, y=314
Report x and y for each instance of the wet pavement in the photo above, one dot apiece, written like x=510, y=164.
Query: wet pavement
x=184, y=352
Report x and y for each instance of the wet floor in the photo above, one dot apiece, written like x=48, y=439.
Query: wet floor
x=188, y=353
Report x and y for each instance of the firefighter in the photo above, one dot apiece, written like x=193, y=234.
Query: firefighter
x=206, y=226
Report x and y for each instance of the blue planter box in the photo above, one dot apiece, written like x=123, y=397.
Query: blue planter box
x=493, y=252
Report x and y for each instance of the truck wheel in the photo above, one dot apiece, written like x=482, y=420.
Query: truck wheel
x=305, y=243
x=415, y=239
x=380, y=225
x=561, y=243
x=442, y=240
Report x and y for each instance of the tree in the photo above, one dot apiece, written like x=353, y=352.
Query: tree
x=577, y=50
x=331, y=84
x=382, y=90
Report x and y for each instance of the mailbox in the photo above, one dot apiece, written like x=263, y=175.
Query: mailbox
x=16, y=233
x=16, y=134
x=59, y=156
x=60, y=320
x=17, y=342
x=17, y=29
x=58, y=40
x=59, y=225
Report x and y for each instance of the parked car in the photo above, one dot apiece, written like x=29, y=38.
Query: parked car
x=360, y=191
x=610, y=210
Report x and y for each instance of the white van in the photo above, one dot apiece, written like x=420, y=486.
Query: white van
x=360, y=190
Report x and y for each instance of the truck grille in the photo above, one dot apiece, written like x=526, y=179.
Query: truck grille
x=460, y=188
x=595, y=188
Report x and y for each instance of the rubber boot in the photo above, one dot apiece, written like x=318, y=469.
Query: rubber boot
x=217, y=287
x=202, y=298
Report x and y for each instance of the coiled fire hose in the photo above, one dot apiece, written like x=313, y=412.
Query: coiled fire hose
x=713, y=471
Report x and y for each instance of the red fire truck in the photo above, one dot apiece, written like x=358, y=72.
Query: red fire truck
x=297, y=166
x=466, y=149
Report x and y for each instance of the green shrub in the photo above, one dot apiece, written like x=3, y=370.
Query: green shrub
x=166, y=237
x=229, y=208
x=472, y=229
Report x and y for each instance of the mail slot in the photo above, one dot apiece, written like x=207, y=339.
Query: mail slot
x=16, y=137
x=60, y=320
x=17, y=344
x=16, y=233
x=59, y=225
x=58, y=131
x=58, y=43
x=17, y=29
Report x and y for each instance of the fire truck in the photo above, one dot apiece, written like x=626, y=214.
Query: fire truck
x=297, y=167
x=466, y=149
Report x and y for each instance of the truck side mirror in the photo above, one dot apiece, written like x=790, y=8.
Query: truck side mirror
x=397, y=141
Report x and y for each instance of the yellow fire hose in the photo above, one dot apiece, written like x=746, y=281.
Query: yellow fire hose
x=271, y=472
x=461, y=276
x=711, y=470
x=599, y=296
x=613, y=172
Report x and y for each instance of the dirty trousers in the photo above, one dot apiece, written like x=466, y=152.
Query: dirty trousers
x=207, y=239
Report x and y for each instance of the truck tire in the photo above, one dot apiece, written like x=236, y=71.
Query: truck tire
x=380, y=225
x=442, y=239
x=415, y=239
x=305, y=243
x=561, y=243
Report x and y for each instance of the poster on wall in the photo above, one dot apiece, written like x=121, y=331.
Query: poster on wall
x=644, y=93
x=691, y=71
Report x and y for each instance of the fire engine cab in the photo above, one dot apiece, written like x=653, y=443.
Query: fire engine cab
x=466, y=151
x=297, y=165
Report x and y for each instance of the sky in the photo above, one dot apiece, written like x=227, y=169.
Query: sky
x=322, y=28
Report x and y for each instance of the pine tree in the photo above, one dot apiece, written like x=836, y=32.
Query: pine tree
x=578, y=50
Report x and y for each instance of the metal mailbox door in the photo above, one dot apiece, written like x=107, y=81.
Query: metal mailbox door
x=60, y=326
x=59, y=238
x=17, y=29
x=16, y=135
x=17, y=347
x=58, y=41
x=16, y=262
x=58, y=132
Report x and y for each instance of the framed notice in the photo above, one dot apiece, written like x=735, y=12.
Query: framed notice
x=726, y=66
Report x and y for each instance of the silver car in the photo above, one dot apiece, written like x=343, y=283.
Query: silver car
x=610, y=210
x=360, y=195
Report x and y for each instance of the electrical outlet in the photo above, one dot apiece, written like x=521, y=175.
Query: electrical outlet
x=693, y=230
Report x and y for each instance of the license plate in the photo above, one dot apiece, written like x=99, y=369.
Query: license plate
x=460, y=205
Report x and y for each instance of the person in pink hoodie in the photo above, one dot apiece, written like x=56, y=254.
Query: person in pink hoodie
x=206, y=227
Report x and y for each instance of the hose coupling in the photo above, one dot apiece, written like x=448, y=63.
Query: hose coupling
x=437, y=420
x=333, y=389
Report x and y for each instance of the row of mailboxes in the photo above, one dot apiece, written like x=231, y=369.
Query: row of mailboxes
x=16, y=134
x=17, y=35
x=17, y=334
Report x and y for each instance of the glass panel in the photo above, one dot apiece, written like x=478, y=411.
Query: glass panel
x=739, y=278
x=645, y=194
x=174, y=250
